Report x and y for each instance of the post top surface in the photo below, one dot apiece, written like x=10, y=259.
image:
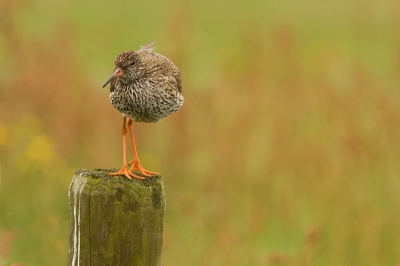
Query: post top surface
x=103, y=173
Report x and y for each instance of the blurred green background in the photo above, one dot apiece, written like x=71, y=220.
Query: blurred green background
x=286, y=151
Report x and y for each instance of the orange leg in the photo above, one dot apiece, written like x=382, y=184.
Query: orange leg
x=135, y=162
x=124, y=170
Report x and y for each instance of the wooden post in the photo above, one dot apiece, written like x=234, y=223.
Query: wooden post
x=114, y=220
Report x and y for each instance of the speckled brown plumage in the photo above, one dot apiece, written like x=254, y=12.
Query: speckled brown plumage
x=145, y=87
x=150, y=89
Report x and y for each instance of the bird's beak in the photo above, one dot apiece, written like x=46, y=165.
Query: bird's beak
x=118, y=72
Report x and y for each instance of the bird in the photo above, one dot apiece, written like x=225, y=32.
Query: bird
x=145, y=87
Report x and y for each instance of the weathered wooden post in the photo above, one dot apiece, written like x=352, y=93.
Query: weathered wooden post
x=115, y=221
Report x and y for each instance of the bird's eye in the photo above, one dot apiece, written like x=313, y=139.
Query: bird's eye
x=133, y=63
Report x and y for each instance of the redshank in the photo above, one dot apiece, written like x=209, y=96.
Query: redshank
x=145, y=87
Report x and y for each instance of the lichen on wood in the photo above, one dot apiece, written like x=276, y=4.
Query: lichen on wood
x=114, y=220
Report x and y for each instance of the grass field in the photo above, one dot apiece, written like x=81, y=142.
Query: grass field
x=286, y=151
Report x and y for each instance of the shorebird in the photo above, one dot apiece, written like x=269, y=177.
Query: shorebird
x=145, y=87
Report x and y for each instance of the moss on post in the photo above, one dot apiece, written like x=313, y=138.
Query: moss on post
x=114, y=220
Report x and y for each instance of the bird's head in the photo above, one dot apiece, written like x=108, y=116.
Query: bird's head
x=129, y=65
x=126, y=67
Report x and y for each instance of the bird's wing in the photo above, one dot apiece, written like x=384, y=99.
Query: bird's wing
x=177, y=77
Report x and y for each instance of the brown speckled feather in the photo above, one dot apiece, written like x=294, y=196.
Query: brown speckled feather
x=149, y=88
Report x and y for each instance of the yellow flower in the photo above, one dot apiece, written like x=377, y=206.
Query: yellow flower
x=40, y=149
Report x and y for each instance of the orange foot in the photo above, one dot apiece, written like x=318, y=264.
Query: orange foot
x=137, y=166
x=128, y=173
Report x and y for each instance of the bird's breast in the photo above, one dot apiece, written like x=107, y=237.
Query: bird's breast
x=146, y=103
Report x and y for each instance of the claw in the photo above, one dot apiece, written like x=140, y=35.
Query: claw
x=137, y=166
x=128, y=173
